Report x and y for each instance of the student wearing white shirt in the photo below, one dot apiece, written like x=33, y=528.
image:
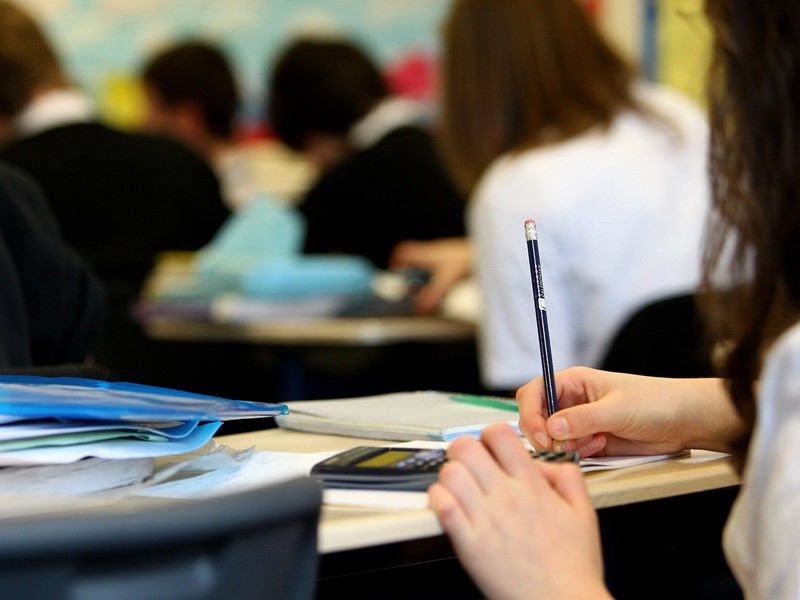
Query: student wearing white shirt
x=620, y=212
x=529, y=530
x=549, y=123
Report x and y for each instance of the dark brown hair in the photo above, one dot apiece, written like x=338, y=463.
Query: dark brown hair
x=321, y=86
x=754, y=235
x=27, y=60
x=523, y=73
x=196, y=71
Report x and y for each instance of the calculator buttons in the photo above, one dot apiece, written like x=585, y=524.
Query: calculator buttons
x=424, y=461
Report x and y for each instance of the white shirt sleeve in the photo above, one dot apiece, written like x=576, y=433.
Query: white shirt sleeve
x=762, y=536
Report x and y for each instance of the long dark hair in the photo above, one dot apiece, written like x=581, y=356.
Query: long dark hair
x=754, y=235
x=518, y=74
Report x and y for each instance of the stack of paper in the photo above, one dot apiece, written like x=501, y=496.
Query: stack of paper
x=401, y=416
x=61, y=421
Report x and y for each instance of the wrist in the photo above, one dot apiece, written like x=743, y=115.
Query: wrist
x=711, y=421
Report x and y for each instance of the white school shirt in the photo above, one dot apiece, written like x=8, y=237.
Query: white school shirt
x=620, y=216
x=762, y=535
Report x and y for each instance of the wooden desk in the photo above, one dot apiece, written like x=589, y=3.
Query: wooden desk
x=346, y=528
x=339, y=331
x=311, y=355
x=369, y=553
x=656, y=518
x=174, y=270
x=340, y=357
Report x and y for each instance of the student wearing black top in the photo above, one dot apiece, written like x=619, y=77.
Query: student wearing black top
x=380, y=180
x=118, y=197
x=51, y=305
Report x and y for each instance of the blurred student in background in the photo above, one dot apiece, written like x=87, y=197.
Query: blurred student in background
x=52, y=305
x=531, y=531
x=118, y=197
x=542, y=119
x=381, y=180
x=192, y=94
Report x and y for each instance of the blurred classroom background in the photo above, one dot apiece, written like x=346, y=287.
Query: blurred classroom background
x=104, y=42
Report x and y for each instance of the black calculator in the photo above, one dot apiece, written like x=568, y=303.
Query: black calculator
x=396, y=468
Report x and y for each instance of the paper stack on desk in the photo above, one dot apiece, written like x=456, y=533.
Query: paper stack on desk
x=46, y=422
x=401, y=416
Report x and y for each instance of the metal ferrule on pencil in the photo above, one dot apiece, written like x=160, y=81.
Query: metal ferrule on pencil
x=530, y=231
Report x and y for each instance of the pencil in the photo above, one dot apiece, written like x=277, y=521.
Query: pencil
x=540, y=309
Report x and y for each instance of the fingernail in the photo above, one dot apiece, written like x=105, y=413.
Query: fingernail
x=541, y=439
x=558, y=426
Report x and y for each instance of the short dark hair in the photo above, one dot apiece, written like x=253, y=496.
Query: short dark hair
x=321, y=85
x=200, y=72
x=27, y=60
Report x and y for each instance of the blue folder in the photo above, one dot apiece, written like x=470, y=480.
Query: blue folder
x=34, y=397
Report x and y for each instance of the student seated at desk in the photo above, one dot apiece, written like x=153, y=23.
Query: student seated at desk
x=192, y=95
x=119, y=197
x=529, y=530
x=381, y=179
x=52, y=304
x=542, y=119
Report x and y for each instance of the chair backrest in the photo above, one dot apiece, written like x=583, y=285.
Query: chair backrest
x=665, y=338
x=255, y=544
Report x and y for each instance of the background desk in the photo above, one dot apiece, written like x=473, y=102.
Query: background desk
x=334, y=357
x=339, y=331
x=397, y=550
x=238, y=348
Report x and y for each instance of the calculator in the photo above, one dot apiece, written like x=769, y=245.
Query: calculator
x=396, y=468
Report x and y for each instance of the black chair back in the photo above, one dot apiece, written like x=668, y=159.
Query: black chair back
x=665, y=338
x=250, y=545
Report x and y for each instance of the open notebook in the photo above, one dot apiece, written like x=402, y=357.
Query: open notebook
x=400, y=416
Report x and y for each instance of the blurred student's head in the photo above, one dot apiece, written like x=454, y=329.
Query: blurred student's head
x=191, y=93
x=522, y=73
x=318, y=89
x=28, y=63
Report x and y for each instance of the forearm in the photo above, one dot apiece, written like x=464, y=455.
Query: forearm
x=710, y=420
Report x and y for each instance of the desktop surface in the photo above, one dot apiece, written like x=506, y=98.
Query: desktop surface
x=346, y=528
x=675, y=508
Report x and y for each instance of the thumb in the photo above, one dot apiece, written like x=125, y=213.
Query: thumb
x=581, y=421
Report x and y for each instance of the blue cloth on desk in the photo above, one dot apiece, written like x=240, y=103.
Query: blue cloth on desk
x=308, y=275
x=258, y=253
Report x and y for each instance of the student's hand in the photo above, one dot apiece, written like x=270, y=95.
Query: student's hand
x=449, y=260
x=521, y=528
x=604, y=413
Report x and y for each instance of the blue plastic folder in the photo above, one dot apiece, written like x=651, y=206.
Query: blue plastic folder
x=73, y=398
x=61, y=420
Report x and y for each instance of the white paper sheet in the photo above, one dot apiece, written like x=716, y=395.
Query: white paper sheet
x=262, y=468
